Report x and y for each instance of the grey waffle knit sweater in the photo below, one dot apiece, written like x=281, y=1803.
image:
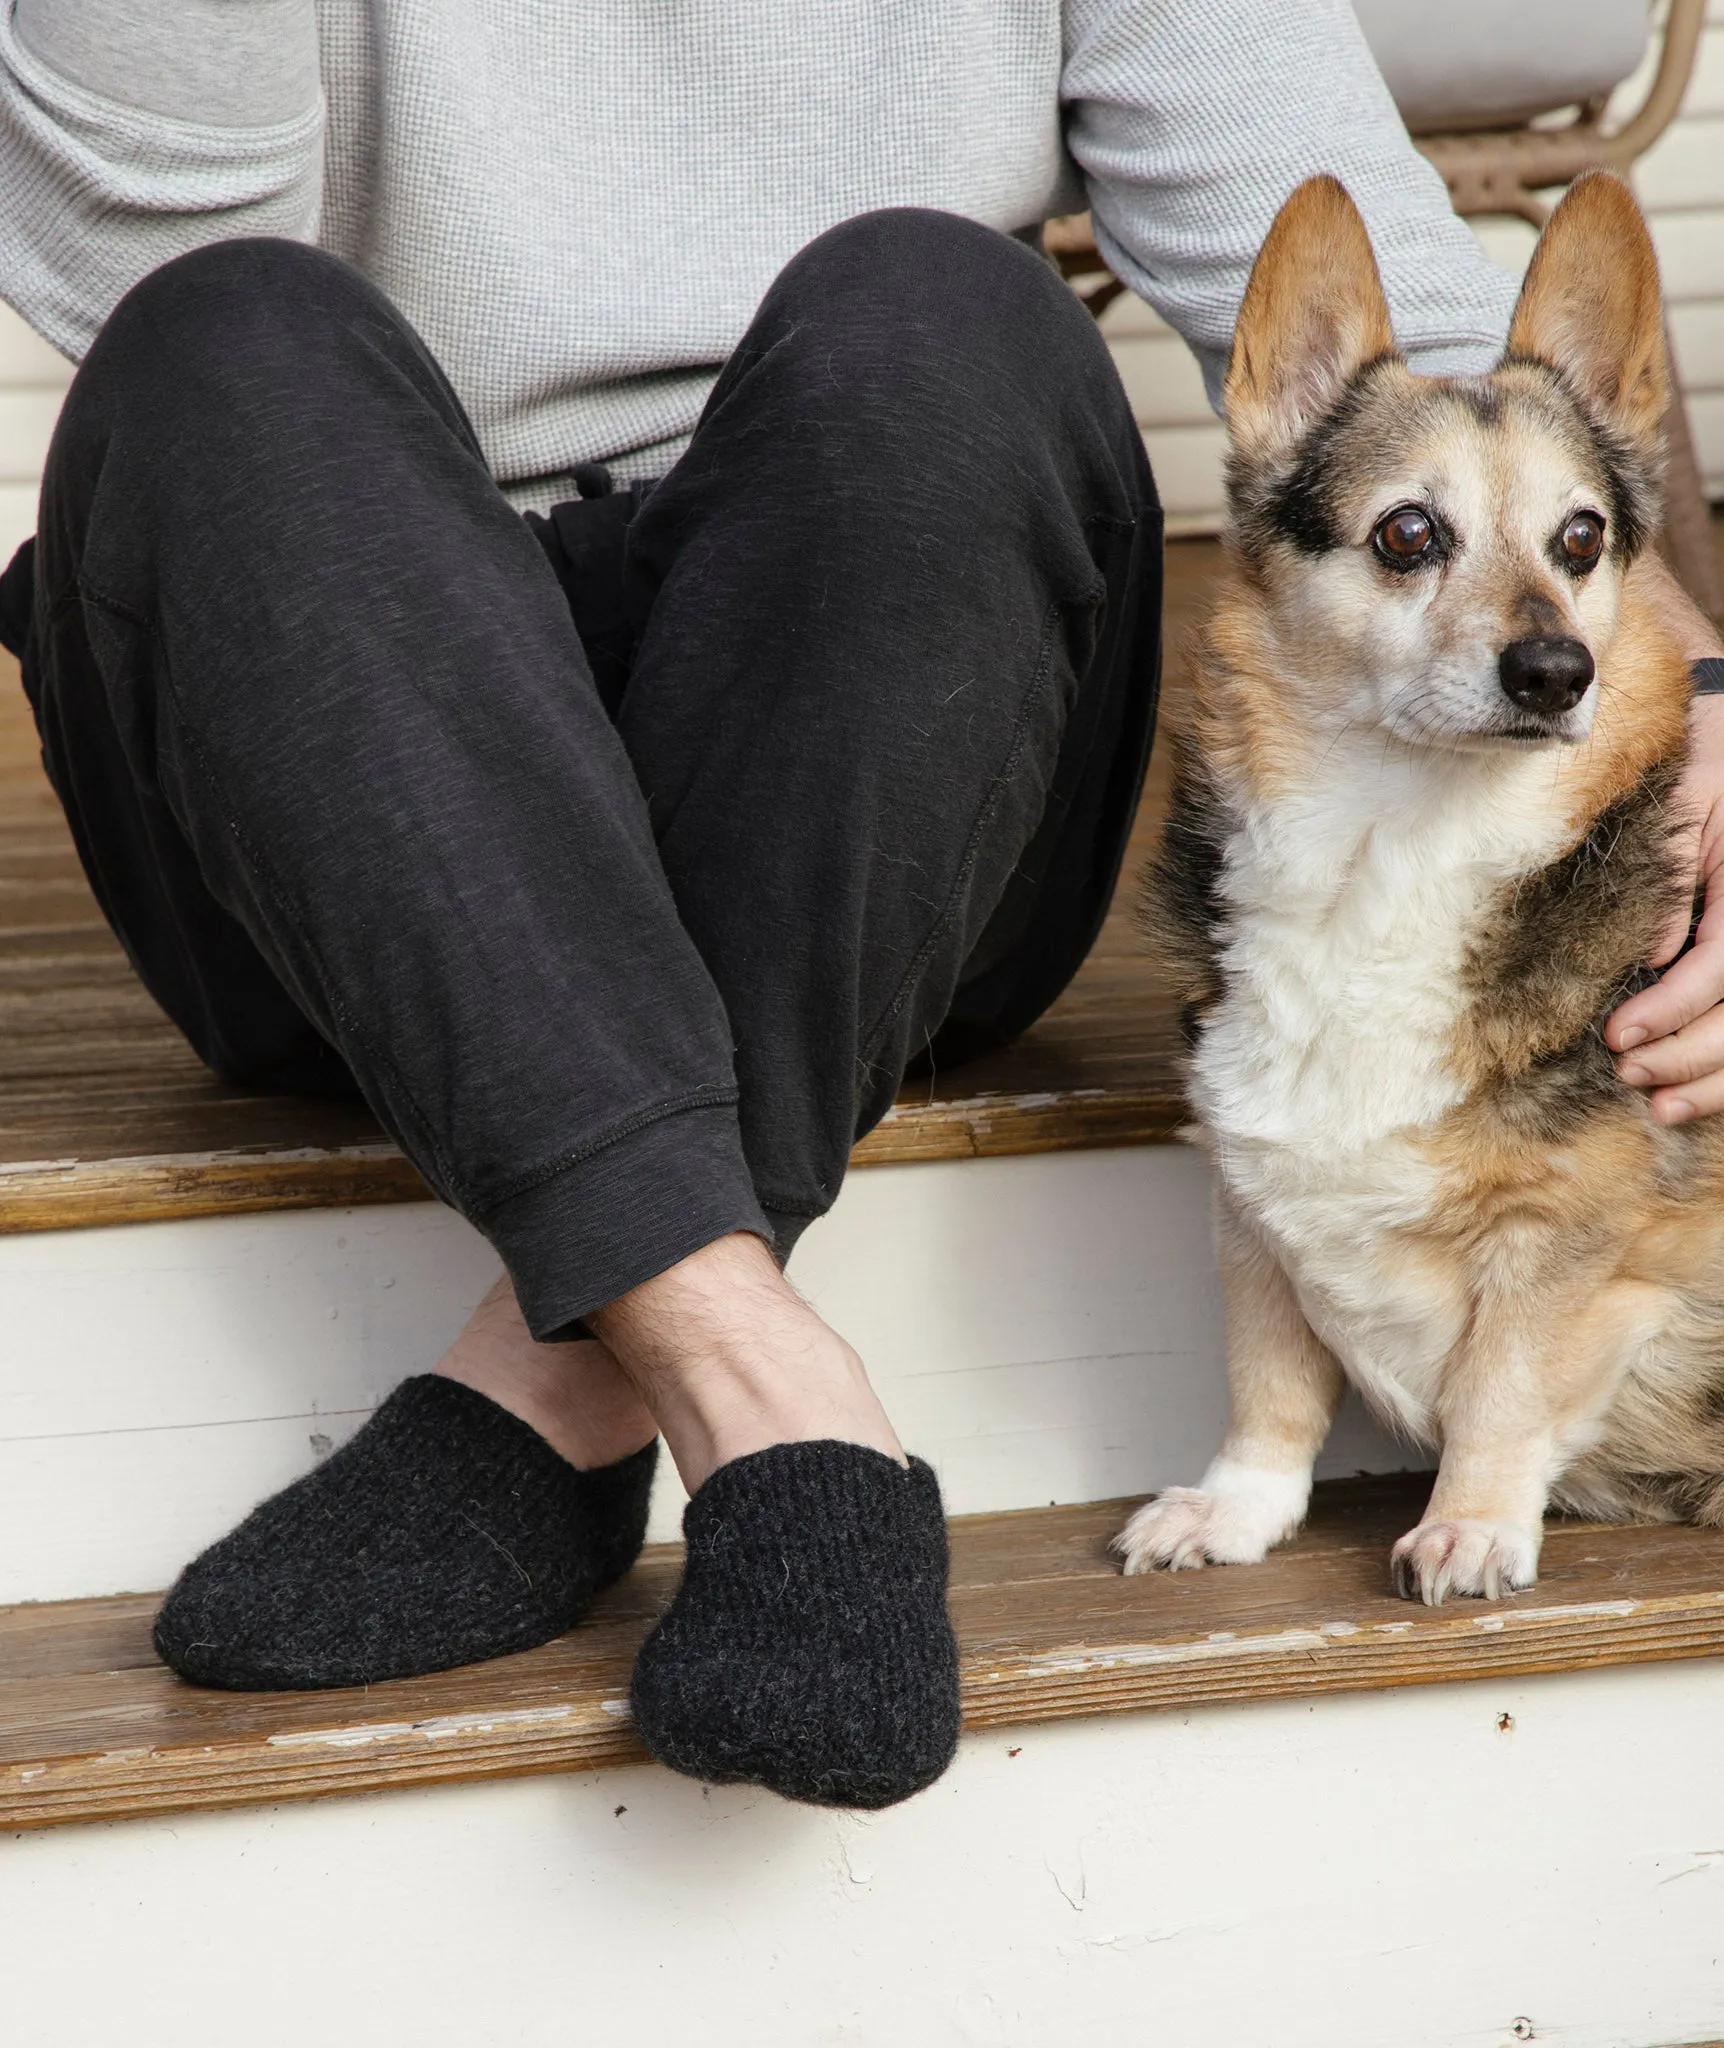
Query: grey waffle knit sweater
x=580, y=202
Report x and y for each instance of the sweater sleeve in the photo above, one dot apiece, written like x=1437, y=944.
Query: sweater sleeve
x=1192, y=123
x=134, y=130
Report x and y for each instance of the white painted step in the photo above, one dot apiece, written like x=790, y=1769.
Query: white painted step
x=1463, y=1866
x=1042, y=1329
x=1393, y=1870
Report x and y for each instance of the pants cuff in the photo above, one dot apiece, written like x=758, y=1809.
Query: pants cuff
x=783, y=1230
x=624, y=1215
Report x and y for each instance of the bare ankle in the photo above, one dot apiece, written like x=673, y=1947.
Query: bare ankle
x=731, y=1359
x=574, y=1395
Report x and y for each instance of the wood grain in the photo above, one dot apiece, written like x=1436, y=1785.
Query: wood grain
x=92, y=1727
x=106, y=1117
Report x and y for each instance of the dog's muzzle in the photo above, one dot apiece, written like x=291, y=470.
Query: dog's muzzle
x=1547, y=674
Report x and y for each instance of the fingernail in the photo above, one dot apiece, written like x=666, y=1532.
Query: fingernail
x=1632, y=1037
x=1678, y=1110
x=1635, y=1075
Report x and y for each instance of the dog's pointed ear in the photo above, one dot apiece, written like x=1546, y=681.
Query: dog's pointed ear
x=1314, y=314
x=1591, y=308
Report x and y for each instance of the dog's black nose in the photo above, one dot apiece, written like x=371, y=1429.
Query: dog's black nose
x=1547, y=674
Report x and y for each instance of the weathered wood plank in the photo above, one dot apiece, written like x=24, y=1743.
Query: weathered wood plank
x=74, y=1194
x=91, y=1727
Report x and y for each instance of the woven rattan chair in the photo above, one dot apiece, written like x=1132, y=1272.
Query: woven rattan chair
x=1507, y=165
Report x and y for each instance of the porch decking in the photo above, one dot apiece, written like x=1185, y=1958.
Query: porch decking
x=92, y=1727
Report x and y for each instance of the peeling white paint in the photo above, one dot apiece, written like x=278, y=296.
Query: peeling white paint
x=1290, y=1642
x=179, y=1162
x=973, y=1108
x=1133, y=1656
x=1592, y=1610
x=343, y=1738
x=437, y=1729
x=858, y=1871
x=1704, y=1860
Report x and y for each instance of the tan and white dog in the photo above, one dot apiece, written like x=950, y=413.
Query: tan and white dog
x=1420, y=846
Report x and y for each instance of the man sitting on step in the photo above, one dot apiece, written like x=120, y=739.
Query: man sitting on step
x=623, y=855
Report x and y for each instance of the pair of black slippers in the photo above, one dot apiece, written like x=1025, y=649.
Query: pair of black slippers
x=807, y=1649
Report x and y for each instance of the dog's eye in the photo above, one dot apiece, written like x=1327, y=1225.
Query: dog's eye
x=1405, y=535
x=1582, y=538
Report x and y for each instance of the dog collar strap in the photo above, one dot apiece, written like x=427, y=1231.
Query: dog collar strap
x=1709, y=676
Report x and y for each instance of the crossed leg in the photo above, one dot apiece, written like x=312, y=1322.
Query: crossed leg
x=625, y=989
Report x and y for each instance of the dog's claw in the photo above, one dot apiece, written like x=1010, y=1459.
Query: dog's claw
x=1483, y=1559
x=1235, y=1521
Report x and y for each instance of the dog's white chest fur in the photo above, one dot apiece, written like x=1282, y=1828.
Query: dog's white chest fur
x=1353, y=906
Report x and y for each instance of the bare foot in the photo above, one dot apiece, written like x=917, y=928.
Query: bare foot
x=731, y=1359
x=575, y=1395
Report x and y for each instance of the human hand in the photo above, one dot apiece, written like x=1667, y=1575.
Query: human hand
x=1669, y=1039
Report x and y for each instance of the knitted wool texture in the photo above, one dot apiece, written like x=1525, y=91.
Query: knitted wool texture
x=808, y=1647
x=445, y=1532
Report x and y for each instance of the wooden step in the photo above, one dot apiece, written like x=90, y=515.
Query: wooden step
x=92, y=1727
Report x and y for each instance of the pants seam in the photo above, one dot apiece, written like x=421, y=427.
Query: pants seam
x=696, y=1100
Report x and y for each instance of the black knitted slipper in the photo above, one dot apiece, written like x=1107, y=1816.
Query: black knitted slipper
x=445, y=1532
x=808, y=1648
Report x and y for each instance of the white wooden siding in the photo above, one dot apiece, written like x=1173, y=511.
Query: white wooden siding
x=1450, y=1866
x=1681, y=182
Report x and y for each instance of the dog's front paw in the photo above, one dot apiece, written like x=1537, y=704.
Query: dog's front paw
x=1234, y=1517
x=1487, y=1559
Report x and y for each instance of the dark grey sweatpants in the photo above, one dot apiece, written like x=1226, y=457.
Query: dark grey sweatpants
x=624, y=965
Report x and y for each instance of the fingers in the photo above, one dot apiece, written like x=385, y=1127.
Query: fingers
x=1685, y=1070
x=1670, y=1038
x=1692, y=1100
x=1685, y=1055
x=1685, y=992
